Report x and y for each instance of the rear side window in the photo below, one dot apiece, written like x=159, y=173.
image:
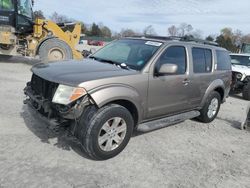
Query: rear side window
x=174, y=55
x=202, y=60
x=223, y=60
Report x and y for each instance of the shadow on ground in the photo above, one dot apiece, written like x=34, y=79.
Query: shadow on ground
x=11, y=59
x=235, y=124
x=64, y=139
x=237, y=96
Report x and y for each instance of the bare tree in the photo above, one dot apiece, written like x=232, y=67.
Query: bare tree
x=227, y=32
x=106, y=32
x=197, y=34
x=127, y=33
x=184, y=29
x=58, y=18
x=149, y=30
x=237, y=37
x=246, y=38
x=173, y=31
x=39, y=14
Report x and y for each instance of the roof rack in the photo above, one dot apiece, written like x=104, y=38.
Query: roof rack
x=192, y=39
x=185, y=39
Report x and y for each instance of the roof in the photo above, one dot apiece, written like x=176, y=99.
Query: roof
x=175, y=38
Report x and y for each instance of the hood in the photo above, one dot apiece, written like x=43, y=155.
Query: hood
x=242, y=69
x=75, y=72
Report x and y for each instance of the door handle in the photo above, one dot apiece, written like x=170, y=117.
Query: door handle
x=186, y=82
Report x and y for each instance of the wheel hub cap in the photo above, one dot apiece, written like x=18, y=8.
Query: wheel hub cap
x=212, y=108
x=112, y=134
x=56, y=54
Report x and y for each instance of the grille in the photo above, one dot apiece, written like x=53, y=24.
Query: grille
x=43, y=88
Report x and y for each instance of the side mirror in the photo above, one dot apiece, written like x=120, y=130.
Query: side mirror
x=168, y=69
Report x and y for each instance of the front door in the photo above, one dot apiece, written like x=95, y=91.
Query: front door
x=168, y=94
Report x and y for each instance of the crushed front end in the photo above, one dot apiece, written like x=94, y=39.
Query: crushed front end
x=41, y=95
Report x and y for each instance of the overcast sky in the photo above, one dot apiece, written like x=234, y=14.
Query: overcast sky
x=206, y=15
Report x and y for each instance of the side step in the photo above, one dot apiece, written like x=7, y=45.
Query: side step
x=164, y=122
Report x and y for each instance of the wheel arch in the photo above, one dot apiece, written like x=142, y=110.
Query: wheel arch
x=122, y=95
x=216, y=85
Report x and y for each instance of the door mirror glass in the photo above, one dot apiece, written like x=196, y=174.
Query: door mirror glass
x=168, y=69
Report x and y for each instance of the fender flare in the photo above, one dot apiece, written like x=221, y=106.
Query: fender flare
x=107, y=94
x=213, y=86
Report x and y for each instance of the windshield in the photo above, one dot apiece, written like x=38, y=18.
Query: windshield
x=25, y=8
x=240, y=60
x=6, y=5
x=246, y=48
x=134, y=53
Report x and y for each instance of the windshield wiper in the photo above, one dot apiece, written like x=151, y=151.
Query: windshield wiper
x=121, y=65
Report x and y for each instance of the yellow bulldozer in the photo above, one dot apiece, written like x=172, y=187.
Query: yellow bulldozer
x=22, y=35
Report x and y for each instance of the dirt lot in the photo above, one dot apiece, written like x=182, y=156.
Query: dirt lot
x=189, y=154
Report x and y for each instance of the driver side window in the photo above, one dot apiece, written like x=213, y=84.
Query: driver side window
x=174, y=55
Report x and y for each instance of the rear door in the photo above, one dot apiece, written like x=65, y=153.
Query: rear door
x=202, y=75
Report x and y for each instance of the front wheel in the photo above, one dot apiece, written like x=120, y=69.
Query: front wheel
x=211, y=107
x=105, y=132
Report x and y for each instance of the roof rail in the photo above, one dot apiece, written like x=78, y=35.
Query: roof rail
x=192, y=39
x=185, y=39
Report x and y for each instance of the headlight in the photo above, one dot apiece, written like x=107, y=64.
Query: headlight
x=239, y=76
x=67, y=94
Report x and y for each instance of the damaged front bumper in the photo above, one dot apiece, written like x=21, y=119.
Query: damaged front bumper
x=55, y=114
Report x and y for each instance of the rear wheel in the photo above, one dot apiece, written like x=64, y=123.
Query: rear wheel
x=54, y=50
x=246, y=92
x=211, y=108
x=104, y=133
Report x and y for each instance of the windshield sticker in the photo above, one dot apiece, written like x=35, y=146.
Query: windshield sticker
x=151, y=43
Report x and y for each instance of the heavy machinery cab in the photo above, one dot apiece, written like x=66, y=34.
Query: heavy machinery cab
x=18, y=14
x=21, y=34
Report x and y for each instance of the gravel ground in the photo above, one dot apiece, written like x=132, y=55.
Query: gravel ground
x=189, y=154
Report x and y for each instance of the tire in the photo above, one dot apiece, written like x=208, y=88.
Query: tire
x=246, y=92
x=207, y=115
x=54, y=50
x=94, y=126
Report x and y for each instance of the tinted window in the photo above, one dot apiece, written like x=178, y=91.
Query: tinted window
x=223, y=60
x=209, y=60
x=6, y=5
x=202, y=60
x=174, y=55
x=25, y=8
